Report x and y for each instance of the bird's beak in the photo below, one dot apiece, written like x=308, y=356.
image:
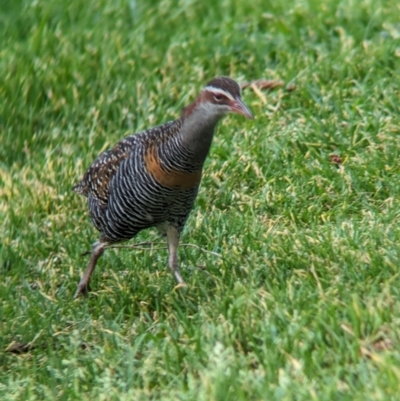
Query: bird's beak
x=237, y=106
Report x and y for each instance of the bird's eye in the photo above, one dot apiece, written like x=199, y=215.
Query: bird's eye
x=218, y=97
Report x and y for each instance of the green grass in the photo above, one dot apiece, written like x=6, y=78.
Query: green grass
x=304, y=302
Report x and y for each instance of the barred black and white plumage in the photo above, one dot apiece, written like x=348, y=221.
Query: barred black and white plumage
x=151, y=179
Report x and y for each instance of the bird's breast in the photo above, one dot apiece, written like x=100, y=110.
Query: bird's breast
x=169, y=177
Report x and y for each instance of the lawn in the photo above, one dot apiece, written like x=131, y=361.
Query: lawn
x=293, y=273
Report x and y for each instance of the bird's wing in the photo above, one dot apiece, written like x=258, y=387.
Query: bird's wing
x=96, y=180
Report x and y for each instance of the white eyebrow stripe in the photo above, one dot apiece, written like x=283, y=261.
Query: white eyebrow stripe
x=213, y=89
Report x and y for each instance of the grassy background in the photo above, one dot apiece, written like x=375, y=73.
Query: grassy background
x=304, y=302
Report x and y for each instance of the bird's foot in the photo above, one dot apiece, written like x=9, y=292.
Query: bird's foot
x=180, y=285
x=178, y=277
x=83, y=289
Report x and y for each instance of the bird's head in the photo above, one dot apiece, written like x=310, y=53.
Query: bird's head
x=220, y=96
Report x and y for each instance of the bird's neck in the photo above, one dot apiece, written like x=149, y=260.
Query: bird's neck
x=197, y=131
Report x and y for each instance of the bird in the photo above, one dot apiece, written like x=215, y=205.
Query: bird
x=151, y=178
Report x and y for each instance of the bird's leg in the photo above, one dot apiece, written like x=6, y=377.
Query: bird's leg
x=83, y=286
x=173, y=242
